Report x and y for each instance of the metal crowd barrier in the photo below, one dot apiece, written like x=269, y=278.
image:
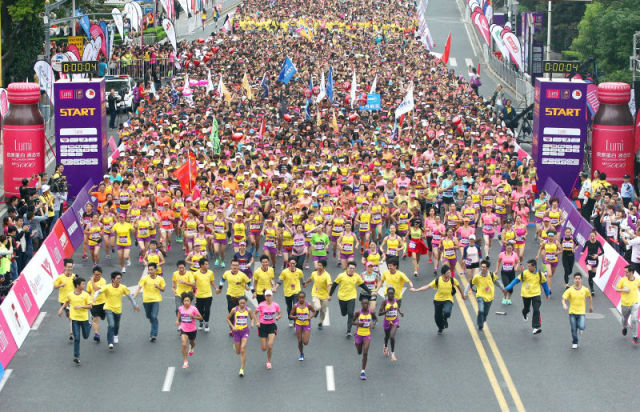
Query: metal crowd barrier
x=505, y=70
x=136, y=68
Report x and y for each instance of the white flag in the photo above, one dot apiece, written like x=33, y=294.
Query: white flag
x=209, y=82
x=353, y=88
x=323, y=90
x=373, y=85
x=407, y=103
x=117, y=19
x=171, y=32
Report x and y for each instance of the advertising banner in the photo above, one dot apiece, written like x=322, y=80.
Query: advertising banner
x=61, y=234
x=77, y=41
x=73, y=228
x=82, y=198
x=559, y=130
x=39, y=274
x=26, y=300
x=56, y=251
x=373, y=102
x=81, y=131
x=8, y=346
x=15, y=318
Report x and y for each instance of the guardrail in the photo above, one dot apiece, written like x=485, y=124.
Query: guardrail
x=504, y=69
x=136, y=68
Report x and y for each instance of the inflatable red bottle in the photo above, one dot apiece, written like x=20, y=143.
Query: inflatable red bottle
x=612, y=148
x=22, y=136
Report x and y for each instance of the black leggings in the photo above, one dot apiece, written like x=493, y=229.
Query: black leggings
x=592, y=275
x=290, y=301
x=204, y=307
x=567, y=264
x=347, y=308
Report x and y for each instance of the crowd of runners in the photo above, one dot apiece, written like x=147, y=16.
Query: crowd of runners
x=296, y=188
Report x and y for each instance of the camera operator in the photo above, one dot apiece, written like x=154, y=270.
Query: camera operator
x=112, y=108
x=60, y=191
x=35, y=217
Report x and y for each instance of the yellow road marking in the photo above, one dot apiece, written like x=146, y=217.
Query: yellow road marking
x=502, y=401
x=494, y=348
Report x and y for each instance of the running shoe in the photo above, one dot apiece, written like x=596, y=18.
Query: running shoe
x=301, y=357
x=111, y=346
x=217, y=262
x=385, y=351
x=439, y=331
x=115, y=338
x=430, y=260
x=290, y=323
x=509, y=302
x=124, y=270
x=624, y=331
x=191, y=352
x=446, y=324
x=636, y=340
x=85, y=257
x=96, y=338
x=152, y=339
x=222, y=265
x=525, y=316
x=70, y=336
x=415, y=274
x=363, y=376
x=574, y=346
x=504, y=301
x=206, y=327
x=306, y=266
x=77, y=360
x=128, y=262
x=169, y=247
x=320, y=326
x=536, y=331
x=393, y=357
x=241, y=373
x=179, y=239
x=269, y=365
x=349, y=335
x=185, y=365
x=200, y=325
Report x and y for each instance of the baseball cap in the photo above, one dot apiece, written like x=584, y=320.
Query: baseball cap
x=268, y=292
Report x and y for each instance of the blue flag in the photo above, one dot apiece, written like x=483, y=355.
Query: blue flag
x=330, y=85
x=287, y=71
x=84, y=22
x=105, y=30
x=265, y=86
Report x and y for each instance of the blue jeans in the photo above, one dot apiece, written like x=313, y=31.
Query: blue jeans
x=483, y=311
x=113, y=320
x=78, y=327
x=442, y=312
x=151, y=310
x=577, y=322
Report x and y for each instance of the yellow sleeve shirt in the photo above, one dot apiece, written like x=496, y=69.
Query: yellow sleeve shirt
x=262, y=279
x=444, y=290
x=321, y=285
x=92, y=289
x=531, y=283
x=485, y=286
x=149, y=291
x=113, y=297
x=628, y=298
x=203, y=283
x=236, y=283
x=181, y=287
x=577, y=299
x=67, y=286
x=348, y=285
x=291, y=281
x=74, y=300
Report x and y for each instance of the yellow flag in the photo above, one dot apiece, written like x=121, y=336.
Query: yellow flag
x=318, y=120
x=222, y=89
x=247, y=87
x=335, y=123
x=304, y=30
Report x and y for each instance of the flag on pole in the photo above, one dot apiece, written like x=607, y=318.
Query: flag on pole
x=265, y=86
x=407, y=104
x=373, y=85
x=323, y=91
x=353, y=88
x=318, y=119
x=447, y=50
x=209, y=82
x=247, y=86
x=334, y=123
x=186, y=174
x=304, y=30
x=263, y=128
x=287, y=71
x=214, y=137
x=223, y=92
x=330, y=85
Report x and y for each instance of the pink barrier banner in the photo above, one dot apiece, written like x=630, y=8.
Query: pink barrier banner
x=74, y=228
x=15, y=318
x=82, y=198
x=56, y=251
x=8, y=346
x=39, y=274
x=25, y=297
x=61, y=233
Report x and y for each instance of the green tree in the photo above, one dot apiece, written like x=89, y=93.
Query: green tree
x=606, y=33
x=22, y=37
x=564, y=21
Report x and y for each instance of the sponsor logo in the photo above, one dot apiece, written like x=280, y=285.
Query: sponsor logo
x=90, y=93
x=66, y=94
x=553, y=93
x=79, y=94
x=565, y=94
x=577, y=94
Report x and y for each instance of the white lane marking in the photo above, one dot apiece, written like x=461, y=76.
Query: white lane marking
x=38, y=320
x=331, y=383
x=8, y=373
x=453, y=62
x=326, y=321
x=168, y=379
x=468, y=62
x=250, y=298
x=616, y=314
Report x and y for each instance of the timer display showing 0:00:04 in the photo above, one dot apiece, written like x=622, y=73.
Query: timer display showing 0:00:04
x=79, y=67
x=560, y=67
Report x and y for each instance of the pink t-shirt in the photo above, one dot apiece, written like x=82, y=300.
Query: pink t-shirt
x=508, y=261
x=267, y=312
x=187, y=318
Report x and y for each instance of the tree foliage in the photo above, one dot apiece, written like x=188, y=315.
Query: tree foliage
x=564, y=21
x=22, y=36
x=606, y=33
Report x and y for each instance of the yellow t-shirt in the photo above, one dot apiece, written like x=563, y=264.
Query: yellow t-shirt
x=203, y=283
x=291, y=281
x=321, y=285
x=113, y=297
x=74, y=300
x=236, y=283
x=123, y=233
x=444, y=290
x=628, y=298
x=149, y=291
x=67, y=282
x=348, y=285
x=577, y=299
x=181, y=287
x=397, y=280
x=531, y=283
x=262, y=279
x=485, y=286
x=91, y=289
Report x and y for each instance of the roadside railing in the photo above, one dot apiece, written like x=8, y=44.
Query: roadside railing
x=505, y=70
x=136, y=68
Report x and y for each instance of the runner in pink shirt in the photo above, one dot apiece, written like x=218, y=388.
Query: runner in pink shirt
x=488, y=221
x=509, y=261
x=268, y=313
x=186, y=321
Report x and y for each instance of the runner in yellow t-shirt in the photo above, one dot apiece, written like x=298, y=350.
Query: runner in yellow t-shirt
x=577, y=296
x=79, y=303
x=628, y=288
x=112, y=295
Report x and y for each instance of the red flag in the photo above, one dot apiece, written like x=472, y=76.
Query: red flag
x=186, y=175
x=262, y=128
x=478, y=69
x=447, y=50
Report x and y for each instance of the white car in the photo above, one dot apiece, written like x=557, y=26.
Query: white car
x=123, y=87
